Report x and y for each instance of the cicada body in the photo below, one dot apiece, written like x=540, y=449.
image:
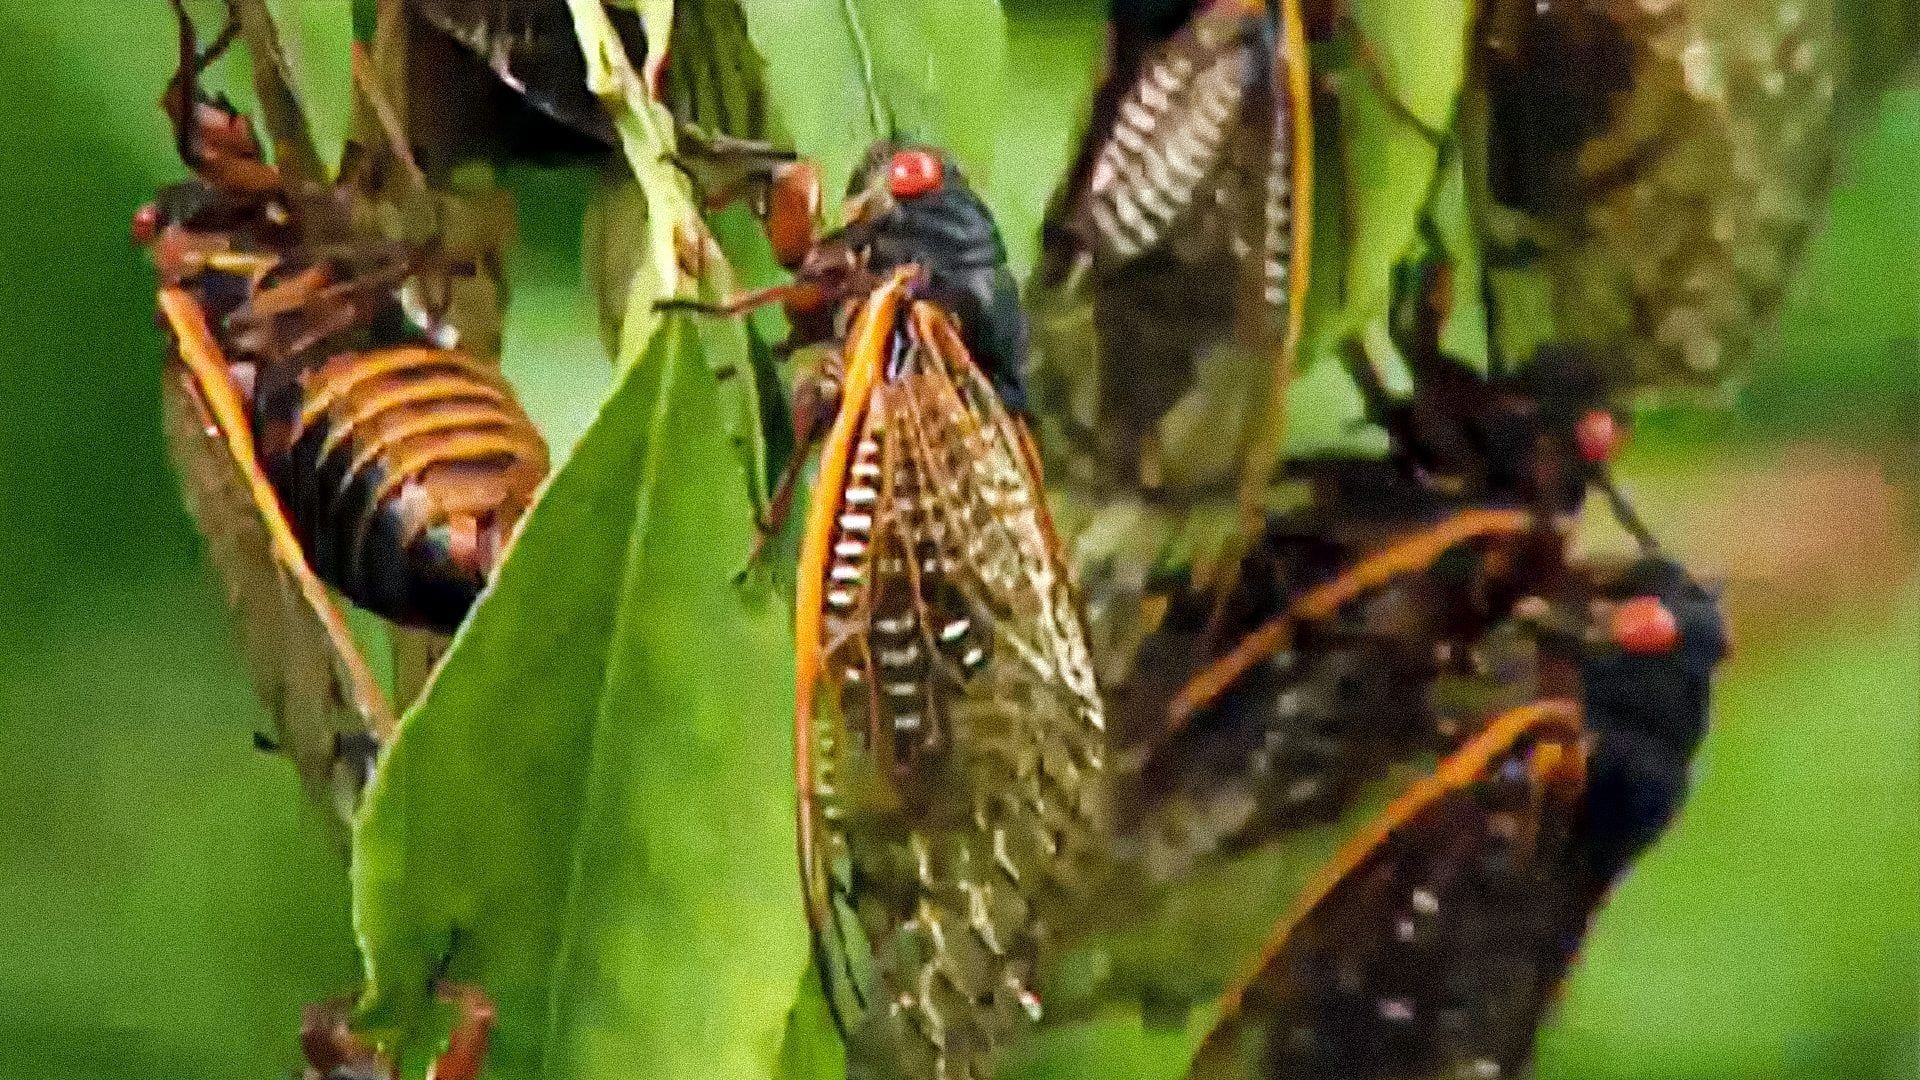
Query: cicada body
x=1357, y=611
x=1168, y=310
x=323, y=438
x=1536, y=435
x=1380, y=653
x=403, y=470
x=1437, y=940
x=1171, y=290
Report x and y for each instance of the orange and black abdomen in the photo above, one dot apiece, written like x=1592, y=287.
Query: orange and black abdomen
x=403, y=471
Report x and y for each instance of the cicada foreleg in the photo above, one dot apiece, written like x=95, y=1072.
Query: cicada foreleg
x=816, y=401
x=335, y=1052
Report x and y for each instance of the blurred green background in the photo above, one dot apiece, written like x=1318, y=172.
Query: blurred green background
x=167, y=903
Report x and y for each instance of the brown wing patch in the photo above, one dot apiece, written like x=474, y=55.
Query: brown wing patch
x=306, y=668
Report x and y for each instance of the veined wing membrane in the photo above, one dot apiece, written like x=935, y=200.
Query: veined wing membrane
x=306, y=667
x=953, y=742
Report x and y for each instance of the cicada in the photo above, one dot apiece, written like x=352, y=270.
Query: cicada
x=950, y=733
x=1359, y=608
x=323, y=437
x=1378, y=652
x=1170, y=296
x=1433, y=945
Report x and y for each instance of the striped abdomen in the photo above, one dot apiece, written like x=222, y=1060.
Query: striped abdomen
x=403, y=471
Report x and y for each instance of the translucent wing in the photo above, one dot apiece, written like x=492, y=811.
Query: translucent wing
x=328, y=713
x=952, y=736
x=1664, y=200
x=1190, y=208
x=1435, y=942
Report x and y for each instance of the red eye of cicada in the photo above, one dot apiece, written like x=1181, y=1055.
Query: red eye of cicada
x=1597, y=435
x=913, y=173
x=146, y=224
x=1644, y=626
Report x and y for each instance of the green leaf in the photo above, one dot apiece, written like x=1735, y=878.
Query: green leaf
x=1417, y=50
x=813, y=1050
x=591, y=811
x=1399, y=71
x=1390, y=168
x=593, y=805
x=641, y=245
x=1053, y=57
x=842, y=73
x=1117, y=1043
x=1464, y=334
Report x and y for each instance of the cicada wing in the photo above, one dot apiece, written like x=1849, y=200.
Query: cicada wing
x=531, y=46
x=1667, y=222
x=1434, y=943
x=417, y=654
x=1189, y=222
x=955, y=728
x=328, y=713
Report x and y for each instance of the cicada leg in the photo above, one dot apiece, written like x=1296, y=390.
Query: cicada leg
x=473, y=1024
x=816, y=400
x=333, y=1050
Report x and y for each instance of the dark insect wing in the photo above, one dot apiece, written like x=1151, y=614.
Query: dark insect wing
x=1203, y=159
x=532, y=49
x=951, y=735
x=1198, y=156
x=531, y=46
x=1183, y=231
x=306, y=668
x=1665, y=210
x=1433, y=942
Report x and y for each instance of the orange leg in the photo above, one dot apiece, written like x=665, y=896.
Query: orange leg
x=332, y=1050
x=816, y=400
x=466, y=1050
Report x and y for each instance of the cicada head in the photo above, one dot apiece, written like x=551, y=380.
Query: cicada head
x=909, y=204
